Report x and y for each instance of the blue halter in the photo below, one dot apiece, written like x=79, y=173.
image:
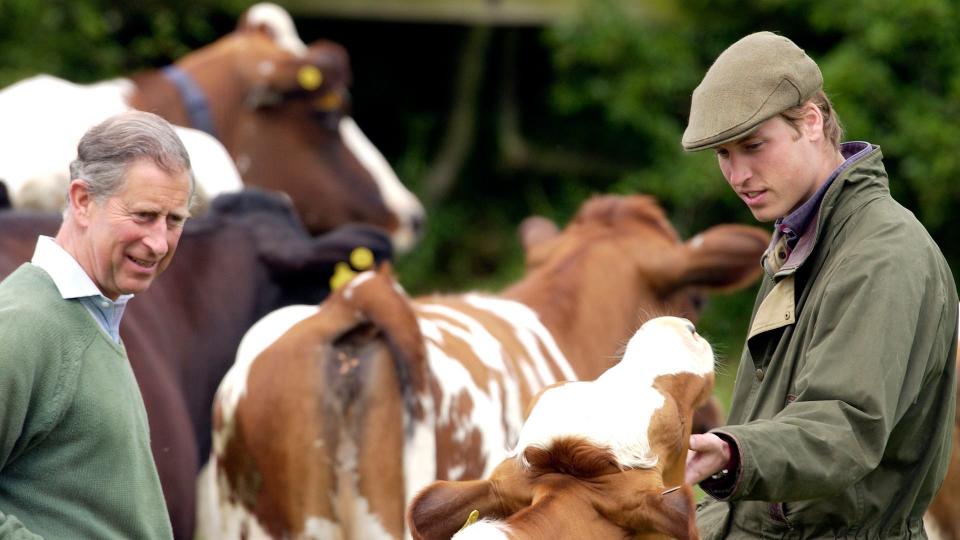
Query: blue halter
x=193, y=97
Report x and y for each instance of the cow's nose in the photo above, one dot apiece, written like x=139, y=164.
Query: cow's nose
x=417, y=224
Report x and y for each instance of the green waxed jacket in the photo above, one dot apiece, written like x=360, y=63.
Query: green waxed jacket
x=844, y=400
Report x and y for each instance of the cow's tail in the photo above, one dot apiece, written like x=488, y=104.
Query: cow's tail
x=376, y=382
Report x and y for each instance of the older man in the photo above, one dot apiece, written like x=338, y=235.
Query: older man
x=75, y=457
x=840, y=423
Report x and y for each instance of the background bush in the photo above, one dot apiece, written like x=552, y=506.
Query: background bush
x=595, y=103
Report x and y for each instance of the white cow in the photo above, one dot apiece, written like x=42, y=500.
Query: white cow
x=44, y=118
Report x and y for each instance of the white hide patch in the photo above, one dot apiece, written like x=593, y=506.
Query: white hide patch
x=497, y=409
x=280, y=24
x=357, y=281
x=484, y=529
x=364, y=524
x=44, y=118
x=260, y=336
x=398, y=199
x=596, y=410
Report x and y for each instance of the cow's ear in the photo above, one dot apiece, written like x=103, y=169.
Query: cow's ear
x=444, y=507
x=534, y=232
x=725, y=257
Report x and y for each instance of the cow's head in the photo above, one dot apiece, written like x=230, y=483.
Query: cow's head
x=603, y=456
x=299, y=266
x=620, y=262
x=282, y=110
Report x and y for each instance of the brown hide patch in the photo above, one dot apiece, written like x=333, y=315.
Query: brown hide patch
x=453, y=345
x=573, y=456
x=329, y=386
x=514, y=352
x=671, y=425
x=393, y=314
x=626, y=505
x=284, y=439
x=456, y=453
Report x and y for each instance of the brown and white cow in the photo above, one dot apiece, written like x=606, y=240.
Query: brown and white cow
x=246, y=257
x=600, y=459
x=334, y=416
x=279, y=107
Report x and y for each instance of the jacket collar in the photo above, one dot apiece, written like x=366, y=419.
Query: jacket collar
x=848, y=192
x=864, y=171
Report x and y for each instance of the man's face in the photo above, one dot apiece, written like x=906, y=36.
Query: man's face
x=132, y=235
x=774, y=169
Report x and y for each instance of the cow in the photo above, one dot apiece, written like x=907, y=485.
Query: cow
x=280, y=109
x=335, y=415
x=595, y=459
x=249, y=255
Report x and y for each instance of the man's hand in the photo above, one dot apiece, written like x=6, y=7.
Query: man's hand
x=708, y=455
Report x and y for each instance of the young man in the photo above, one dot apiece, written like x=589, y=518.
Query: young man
x=75, y=457
x=840, y=423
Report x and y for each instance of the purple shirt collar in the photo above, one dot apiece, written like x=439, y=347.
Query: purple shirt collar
x=795, y=224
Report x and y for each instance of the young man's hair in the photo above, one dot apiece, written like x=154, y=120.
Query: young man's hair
x=832, y=128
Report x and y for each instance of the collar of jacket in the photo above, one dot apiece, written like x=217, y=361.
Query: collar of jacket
x=778, y=308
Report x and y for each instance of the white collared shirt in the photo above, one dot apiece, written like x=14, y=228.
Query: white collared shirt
x=74, y=283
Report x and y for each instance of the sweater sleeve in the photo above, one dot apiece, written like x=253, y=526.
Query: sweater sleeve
x=879, y=339
x=29, y=382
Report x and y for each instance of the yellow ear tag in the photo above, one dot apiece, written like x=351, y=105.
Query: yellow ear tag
x=310, y=78
x=471, y=519
x=342, y=274
x=328, y=102
x=361, y=258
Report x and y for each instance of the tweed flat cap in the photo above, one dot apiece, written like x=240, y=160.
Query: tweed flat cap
x=755, y=79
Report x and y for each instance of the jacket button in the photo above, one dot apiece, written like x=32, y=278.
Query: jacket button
x=759, y=375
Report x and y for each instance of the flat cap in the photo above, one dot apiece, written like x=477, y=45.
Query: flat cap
x=752, y=81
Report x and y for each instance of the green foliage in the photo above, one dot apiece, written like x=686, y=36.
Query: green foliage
x=89, y=40
x=607, y=91
x=892, y=69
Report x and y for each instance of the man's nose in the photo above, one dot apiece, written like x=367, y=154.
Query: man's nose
x=156, y=238
x=738, y=172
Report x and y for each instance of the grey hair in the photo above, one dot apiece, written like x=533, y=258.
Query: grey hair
x=108, y=149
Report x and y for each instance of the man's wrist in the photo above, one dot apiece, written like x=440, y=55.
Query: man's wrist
x=721, y=474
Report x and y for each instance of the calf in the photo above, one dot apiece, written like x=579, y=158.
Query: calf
x=248, y=256
x=599, y=459
x=334, y=416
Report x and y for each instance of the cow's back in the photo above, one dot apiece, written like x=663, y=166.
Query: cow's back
x=487, y=358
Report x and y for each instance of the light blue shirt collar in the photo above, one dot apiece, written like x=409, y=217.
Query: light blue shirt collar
x=74, y=283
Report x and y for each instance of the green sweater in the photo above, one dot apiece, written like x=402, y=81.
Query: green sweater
x=75, y=457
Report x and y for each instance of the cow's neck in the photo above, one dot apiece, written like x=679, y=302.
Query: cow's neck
x=590, y=321
x=212, y=70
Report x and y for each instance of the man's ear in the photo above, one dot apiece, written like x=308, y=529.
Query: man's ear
x=812, y=122
x=79, y=200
